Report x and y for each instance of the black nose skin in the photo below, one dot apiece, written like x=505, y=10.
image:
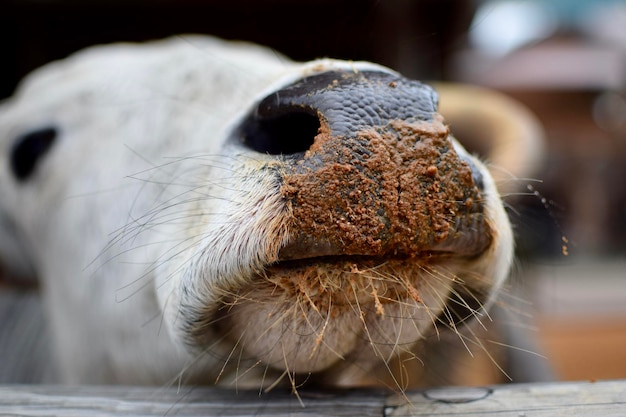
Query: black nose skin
x=373, y=170
x=350, y=101
x=287, y=121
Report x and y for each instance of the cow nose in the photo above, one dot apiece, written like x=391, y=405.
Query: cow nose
x=287, y=121
x=373, y=170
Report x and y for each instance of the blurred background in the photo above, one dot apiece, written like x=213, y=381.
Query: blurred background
x=564, y=59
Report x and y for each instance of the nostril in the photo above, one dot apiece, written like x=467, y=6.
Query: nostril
x=288, y=133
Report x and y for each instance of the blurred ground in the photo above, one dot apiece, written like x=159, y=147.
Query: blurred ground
x=567, y=62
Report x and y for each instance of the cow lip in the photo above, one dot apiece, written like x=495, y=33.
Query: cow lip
x=356, y=259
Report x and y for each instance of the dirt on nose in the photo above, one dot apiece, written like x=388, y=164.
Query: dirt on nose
x=399, y=189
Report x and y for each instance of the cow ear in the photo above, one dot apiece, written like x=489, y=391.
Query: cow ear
x=28, y=150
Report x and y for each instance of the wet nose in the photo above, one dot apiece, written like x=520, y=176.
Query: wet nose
x=372, y=169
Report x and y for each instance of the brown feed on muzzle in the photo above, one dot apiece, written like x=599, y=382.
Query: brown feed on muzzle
x=395, y=191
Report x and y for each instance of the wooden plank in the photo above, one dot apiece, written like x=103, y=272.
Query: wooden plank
x=94, y=401
x=580, y=399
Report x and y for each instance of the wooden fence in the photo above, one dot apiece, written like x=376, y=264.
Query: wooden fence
x=605, y=398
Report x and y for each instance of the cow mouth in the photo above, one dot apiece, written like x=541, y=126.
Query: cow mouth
x=348, y=280
x=374, y=211
x=304, y=315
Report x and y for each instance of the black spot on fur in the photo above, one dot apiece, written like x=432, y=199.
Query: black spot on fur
x=28, y=150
